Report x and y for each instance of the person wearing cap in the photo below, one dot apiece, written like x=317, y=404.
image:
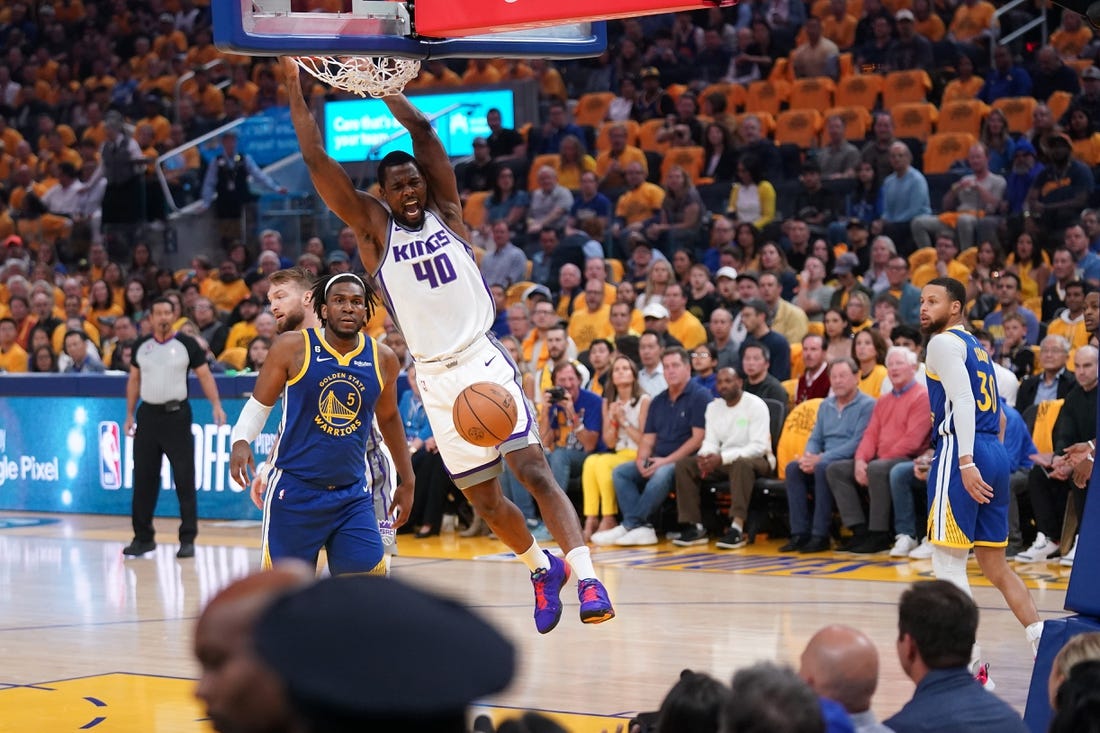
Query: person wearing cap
x=1061, y=189
x=910, y=50
x=311, y=641
x=846, y=270
x=226, y=186
x=874, y=53
x=1088, y=99
x=904, y=198
x=122, y=165
x=243, y=330
x=337, y=261
x=652, y=101
x=656, y=319
x=1024, y=169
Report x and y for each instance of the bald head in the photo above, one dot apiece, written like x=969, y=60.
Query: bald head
x=841, y=663
x=240, y=693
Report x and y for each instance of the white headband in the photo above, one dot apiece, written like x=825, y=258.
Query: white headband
x=351, y=275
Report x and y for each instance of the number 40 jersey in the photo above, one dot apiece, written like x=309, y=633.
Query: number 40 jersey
x=433, y=289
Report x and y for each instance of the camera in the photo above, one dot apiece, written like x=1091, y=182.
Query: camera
x=557, y=394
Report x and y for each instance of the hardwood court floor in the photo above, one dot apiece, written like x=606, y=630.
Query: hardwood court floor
x=91, y=641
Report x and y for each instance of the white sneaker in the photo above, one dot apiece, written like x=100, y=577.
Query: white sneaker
x=1041, y=549
x=608, y=536
x=903, y=545
x=638, y=536
x=1067, y=559
x=981, y=674
x=923, y=551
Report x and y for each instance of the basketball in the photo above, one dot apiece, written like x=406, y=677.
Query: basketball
x=485, y=414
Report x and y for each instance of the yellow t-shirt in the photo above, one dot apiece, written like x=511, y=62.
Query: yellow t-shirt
x=14, y=359
x=871, y=385
x=586, y=326
x=640, y=204
x=1087, y=150
x=1075, y=333
x=796, y=431
x=240, y=335
x=688, y=330
x=926, y=273
x=970, y=21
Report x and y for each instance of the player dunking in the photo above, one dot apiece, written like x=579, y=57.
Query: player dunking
x=414, y=242
x=333, y=381
x=291, y=298
x=968, y=479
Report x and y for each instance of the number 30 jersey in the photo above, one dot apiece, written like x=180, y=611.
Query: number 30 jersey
x=433, y=289
x=983, y=386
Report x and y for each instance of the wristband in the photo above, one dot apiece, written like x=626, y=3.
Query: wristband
x=1090, y=458
x=967, y=465
x=1092, y=445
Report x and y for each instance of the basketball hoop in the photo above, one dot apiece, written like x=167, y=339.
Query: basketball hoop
x=378, y=76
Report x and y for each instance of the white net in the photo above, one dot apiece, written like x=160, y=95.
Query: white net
x=378, y=76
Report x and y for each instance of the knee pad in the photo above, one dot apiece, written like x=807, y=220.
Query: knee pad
x=949, y=563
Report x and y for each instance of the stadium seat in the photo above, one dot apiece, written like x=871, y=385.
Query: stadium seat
x=857, y=120
x=647, y=136
x=847, y=66
x=914, y=119
x=859, y=90
x=766, y=96
x=817, y=328
x=799, y=127
x=473, y=211
x=797, y=366
x=814, y=93
x=796, y=431
x=1017, y=110
x=603, y=142
x=902, y=87
x=1045, y=417
x=968, y=257
x=1059, y=103
x=781, y=71
x=690, y=158
x=943, y=149
x=922, y=256
x=767, y=121
x=551, y=159
x=675, y=90
x=515, y=291
x=962, y=116
x=592, y=108
x=734, y=94
x=791, y=385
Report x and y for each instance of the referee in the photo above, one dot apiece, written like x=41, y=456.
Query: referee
x=158, y=375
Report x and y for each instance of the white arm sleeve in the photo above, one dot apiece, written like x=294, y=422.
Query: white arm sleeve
x=251, y=422
x=947, y=360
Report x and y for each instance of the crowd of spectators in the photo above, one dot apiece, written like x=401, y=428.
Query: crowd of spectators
x=734, y=203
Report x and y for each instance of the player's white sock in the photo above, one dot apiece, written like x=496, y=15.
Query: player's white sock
x=580, y=559
x=1034, y=633
x=949, y=563
x=534, y=558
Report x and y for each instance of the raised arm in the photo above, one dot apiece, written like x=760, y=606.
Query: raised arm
x=431, y=158
x=359, y=210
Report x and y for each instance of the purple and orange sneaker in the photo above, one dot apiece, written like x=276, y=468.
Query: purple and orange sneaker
x=595, y=605
x=548, y=584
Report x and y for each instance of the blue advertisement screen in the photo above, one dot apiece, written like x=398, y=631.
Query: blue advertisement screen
x=354, y=128
x=70, y=454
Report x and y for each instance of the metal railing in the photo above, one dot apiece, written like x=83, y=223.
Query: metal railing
x=192, y=207
x=1039, y=21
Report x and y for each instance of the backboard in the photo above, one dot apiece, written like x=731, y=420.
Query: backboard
x=380, y=28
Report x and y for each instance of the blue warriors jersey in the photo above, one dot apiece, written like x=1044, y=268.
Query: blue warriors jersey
x=983, y=385
x=328, y=410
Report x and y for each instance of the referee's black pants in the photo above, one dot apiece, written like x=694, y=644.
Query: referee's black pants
x=160, y=433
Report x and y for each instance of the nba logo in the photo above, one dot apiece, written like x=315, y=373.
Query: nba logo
x=110, y=456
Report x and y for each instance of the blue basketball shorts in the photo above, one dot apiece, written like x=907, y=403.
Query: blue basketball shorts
x=954, y=518
x=300, y=518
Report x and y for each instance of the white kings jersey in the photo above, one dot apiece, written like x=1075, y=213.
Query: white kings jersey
x=433, y=289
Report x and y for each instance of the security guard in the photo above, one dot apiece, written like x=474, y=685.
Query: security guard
x=226, y=187
x=159, y=376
